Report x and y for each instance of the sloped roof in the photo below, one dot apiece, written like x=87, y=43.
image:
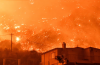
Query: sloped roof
x=68, y=48
x=51, y=50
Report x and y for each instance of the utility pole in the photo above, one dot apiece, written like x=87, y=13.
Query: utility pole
x=11, y=42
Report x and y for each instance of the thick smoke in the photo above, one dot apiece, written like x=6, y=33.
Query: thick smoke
x=82, y=25
x=49, y=23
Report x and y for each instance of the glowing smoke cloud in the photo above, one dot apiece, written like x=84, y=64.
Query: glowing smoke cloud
x=44, y=24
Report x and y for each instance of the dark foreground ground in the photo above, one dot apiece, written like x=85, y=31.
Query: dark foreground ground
x=26, y=57
x=82, y=64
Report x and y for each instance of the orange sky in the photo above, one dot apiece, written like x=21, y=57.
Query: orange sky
x=74, y=21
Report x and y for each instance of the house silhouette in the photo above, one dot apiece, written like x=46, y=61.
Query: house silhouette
x=71, y=56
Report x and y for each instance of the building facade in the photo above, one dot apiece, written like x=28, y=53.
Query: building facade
x=75, y=56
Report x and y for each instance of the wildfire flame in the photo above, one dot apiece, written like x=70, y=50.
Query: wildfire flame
x=43, y=25
x=17, y=39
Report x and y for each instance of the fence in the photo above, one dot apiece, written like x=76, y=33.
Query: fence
x=10, y=61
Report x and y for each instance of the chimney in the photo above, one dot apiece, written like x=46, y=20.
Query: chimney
x=63, y=45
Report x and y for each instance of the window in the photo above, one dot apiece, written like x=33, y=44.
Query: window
x=53, y=55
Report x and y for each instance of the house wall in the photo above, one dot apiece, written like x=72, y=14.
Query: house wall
x=72, y=54
x=47, y=58
x=79, y=53
x=53, y=61
x=96, y=58
x=42, y=59
x=92, y=55
x=88, y=55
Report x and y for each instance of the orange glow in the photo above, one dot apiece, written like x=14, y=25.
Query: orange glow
x=31, y=48
x=17, y=27
x=17, y=39
x=43, y=24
